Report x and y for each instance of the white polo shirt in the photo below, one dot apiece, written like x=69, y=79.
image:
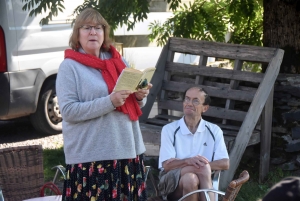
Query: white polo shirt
x=188, y=145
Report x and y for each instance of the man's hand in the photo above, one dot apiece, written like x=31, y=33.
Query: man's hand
x=143, y=93
x=170, y=160
x=194, y=162
x=118, y=98
x=197, y=161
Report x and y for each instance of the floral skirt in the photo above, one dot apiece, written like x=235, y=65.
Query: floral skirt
x=106, y=180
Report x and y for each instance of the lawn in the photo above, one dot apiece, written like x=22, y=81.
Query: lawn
x=52, y=157
x=251, y=191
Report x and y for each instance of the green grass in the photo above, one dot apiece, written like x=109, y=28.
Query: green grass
x=52, y=157
x=251, y=191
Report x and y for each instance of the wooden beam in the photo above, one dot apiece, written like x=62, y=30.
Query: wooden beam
x=214, y=72
x=217, y=112
x=202, y=62
x=233, y=85
x=167, y=77
x=222, y=50
x=252, y=116
x=265, y=137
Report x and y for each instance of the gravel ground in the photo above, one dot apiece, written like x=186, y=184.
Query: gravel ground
x=21, y=133
x=49, y=142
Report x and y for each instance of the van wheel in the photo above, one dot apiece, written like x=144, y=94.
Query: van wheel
x=47, y=118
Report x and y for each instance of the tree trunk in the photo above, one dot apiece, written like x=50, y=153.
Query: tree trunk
x=282, y=30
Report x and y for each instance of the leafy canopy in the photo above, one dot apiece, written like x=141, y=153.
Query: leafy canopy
x=211, y=20
x=200, y=19
x=116, y=12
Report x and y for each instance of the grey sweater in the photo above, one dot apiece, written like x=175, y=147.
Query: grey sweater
x=92, y=129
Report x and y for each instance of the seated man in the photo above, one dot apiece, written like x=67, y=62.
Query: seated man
x=190, y=149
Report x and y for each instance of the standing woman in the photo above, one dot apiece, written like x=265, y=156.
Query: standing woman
x=103, y=144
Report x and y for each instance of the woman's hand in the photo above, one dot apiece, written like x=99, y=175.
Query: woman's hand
x=143, y=93
x=118, y=98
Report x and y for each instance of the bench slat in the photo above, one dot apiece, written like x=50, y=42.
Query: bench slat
x=189, y=79
x=212, y=112
x=225, y=93
x=214, y=72
x=222, y=50
x=158, y=122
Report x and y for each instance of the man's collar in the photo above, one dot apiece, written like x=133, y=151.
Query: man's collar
x=184, y=129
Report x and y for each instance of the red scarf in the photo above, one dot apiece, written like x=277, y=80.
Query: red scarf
x=111, y=69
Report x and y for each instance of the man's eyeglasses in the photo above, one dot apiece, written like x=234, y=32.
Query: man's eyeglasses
x=195, y=102
x=88, y=28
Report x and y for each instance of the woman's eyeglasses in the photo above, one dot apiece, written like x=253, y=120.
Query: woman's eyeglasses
x=88, y=28
x=195, y=102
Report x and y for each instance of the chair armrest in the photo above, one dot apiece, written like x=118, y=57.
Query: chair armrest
x=205, y=192
x=1, y=195
x=216, y=179
x=215, y=182
x=61, y=169
x=149, y=172
x=53, y=188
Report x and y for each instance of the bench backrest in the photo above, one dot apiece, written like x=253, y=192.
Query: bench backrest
x=232, y=90
x=238, y=96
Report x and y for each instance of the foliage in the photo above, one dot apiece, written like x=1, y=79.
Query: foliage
x=116, y=12
x=211, y=20
x=54, y=7
x=202, y=19
x=52, y=157
x=252, y=67
x=246, y=17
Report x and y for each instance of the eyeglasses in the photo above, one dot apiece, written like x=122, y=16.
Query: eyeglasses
x=88, y=28
x=195, y=102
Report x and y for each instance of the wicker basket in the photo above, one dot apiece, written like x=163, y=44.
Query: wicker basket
x=21, y=172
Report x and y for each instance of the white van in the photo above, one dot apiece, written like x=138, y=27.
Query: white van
x=30, y=55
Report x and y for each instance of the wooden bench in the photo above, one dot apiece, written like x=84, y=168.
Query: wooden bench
x=242, y=101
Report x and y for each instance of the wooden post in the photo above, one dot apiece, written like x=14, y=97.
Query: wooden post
x=157, y=82
x=233, y=85
x=265, y=137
